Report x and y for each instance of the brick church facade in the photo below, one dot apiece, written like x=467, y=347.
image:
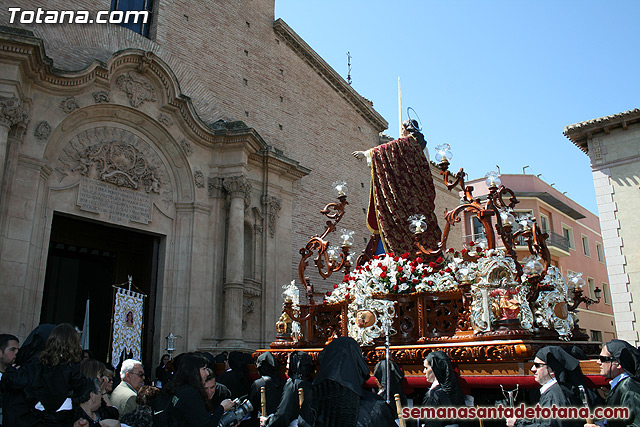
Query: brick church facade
x=195, y=158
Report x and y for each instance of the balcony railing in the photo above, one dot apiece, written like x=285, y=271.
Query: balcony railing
x=555, y=240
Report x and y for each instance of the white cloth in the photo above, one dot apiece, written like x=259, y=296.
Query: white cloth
x=67, y=405
x=547, y=385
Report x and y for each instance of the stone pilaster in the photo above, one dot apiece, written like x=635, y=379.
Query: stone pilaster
x=238, y=189
x=11, y=114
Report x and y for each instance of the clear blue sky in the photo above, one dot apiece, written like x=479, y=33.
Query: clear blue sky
x=505, y=74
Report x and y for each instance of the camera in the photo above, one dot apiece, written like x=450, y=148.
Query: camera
x=236, y=414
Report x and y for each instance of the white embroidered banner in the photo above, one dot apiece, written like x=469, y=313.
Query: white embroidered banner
x=127, y=325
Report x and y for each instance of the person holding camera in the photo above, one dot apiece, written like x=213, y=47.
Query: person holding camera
x=187, y=404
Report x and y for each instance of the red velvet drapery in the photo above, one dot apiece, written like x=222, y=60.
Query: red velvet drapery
x=401, y=186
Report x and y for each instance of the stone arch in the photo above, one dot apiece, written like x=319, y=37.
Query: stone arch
x=102, y=123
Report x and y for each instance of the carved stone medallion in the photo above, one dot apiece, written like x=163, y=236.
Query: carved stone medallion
x=69, y=104
x=101, y=96
x=115, y=156
x=42, y=131
x=186, y=147
x=138, y=89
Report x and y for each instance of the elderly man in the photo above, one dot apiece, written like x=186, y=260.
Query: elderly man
x=619, y=364
x=549, y=363
x=124, y=396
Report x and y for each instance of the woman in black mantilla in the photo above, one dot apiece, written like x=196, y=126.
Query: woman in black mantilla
x=50, y=378
x=396, y=377
x=300, y=371
x=338, y=397
x=445, y=389
x=188, y=398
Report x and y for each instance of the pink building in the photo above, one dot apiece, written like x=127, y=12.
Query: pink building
x=575, y=243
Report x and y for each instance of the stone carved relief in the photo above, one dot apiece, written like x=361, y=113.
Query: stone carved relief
x=198, y=178
x=12, y=112
x=69, y=104
x=115, y=156
x=238, y=185
x=248, y=307
x=165, y=120
x=231, y=125
x=101, y=96
x=42, y=131
x=215, y=187
x=145, y=61
x=257, y=220
x=186, y=147
x=273, y=206
x=138, y=89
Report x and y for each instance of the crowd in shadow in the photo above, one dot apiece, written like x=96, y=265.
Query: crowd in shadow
x=50, y=381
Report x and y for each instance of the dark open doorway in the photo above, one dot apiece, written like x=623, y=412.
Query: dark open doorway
x=85, y=259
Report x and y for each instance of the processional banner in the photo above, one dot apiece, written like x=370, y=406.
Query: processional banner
x=127, y=325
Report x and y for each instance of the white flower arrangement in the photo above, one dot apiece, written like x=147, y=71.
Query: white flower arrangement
x=388, y=274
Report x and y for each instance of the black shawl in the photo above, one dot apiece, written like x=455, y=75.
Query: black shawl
x=627, y=355
x=341, y=361
x=301, y=366
x=443, y=370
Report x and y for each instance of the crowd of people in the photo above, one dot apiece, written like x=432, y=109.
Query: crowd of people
x=49, y=381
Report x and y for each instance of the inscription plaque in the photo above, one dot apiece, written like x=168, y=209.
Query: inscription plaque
x=118, y=204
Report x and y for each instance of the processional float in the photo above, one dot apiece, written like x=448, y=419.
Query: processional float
x=488, y=310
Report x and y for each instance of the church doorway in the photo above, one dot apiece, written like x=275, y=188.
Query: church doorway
x=85, y=259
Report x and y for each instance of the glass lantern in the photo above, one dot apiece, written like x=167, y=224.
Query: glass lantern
x=340, y=188
x=417, y=224
x=333, y=252
x=346, y=237
x=443, y=153
x=493, y=179
x=575, y=280
x=507, y=218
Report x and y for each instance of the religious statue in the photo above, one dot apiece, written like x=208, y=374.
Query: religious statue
x=401, y=186
x=283, y=325
x=506, y=306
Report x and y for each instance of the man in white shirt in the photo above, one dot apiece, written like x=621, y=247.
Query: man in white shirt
x=549, y=361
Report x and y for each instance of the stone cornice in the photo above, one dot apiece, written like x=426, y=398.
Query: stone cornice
x=23, y=47
x=189, y=207
x=278, y=161
x=304, y=51
x=580, y=133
